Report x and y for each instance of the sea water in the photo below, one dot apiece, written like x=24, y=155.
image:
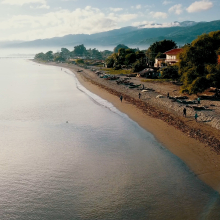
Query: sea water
x=65, y=153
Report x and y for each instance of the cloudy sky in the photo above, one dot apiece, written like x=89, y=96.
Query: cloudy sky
x=38, y=19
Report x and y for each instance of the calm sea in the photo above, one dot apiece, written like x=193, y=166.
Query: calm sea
x=67, y=154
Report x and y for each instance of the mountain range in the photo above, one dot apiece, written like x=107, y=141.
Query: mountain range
x=141, y=36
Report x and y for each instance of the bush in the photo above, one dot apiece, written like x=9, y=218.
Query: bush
x=138, y=66
x=170, y=72
x=80, y=61
x=198, y=85
x=117, y=67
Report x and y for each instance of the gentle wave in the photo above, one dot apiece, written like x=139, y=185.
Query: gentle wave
x=95, y=97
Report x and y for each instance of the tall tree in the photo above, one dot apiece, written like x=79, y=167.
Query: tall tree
x=65, y=53
x=80, y=50
x=159, y=47
x=96, y=54
x=198, y=66
x=40, y=56
x=120, y=46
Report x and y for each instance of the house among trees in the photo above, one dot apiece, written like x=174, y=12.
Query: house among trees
x=171, y=58
x=159, y=62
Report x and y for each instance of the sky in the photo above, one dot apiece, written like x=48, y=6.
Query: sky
x=39, y=19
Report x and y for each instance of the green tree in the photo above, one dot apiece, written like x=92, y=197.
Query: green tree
x=140, y=55
x=80, y=50
x=170, y=72
x=110, y=62
x=159, y=47
x=49, y=55
x=213, y=75
x=120, y=46
x=161, y=55
x=198, y=65
x=106, y=53
x=80, y=61
x=65, y=53
x=138, y=66
x=40, y=56
x=130, y=58
x=96, y=54
x=59, y=58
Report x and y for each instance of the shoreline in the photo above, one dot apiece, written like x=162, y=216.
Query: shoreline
x=202, y=160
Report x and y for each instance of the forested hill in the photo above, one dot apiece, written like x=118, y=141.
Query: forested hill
x=132, y=36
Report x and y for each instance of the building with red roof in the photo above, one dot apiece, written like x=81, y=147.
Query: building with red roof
x=172, y=56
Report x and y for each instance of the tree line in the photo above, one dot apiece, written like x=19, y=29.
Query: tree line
x=79, y=51
x=198, y=67
x=135, y=59
x=199, y=64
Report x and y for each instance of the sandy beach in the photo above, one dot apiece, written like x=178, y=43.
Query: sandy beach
x=195, y=143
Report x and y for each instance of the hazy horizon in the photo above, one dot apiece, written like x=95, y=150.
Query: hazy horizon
x=40, y=19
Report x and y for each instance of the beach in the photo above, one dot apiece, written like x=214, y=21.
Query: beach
x=195, y=143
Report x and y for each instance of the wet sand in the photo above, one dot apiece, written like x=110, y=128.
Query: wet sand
x=203, y=160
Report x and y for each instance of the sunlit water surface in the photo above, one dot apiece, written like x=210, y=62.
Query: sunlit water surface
x=99, y=165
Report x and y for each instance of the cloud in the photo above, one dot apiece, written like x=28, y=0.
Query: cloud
x=88, y=20
x=136, y=7
x=116, y=9
x=22, y=2
x=167, y=2
x=151, y=24
x=127, y=17
x=41, y=7
x=158, y=14
x=177, y=9
x=200, y=6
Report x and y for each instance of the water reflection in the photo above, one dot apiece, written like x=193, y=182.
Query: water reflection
x=99, y=165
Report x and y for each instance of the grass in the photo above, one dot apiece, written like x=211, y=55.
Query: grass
x=157, y=80
x=115, y=72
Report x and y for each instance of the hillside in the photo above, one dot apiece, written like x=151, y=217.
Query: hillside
x=186, y=32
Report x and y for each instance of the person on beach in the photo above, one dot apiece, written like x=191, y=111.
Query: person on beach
x=121, y=97
x=139, y=95
x=198, y=100
x=184, y=112
x=168, y=95
x=196, y=116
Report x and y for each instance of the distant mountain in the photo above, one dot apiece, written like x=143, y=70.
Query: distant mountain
x=181, y=33
x=186, y=23
x=2, y=43
x=172, y=24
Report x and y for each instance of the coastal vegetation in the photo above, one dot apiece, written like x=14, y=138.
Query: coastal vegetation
x=170, y=72
x=79, y=52
x=157, y=49
x=116, y=49
x=127, y=58
x=198, y=67
x=116, y=72
x=198, y=63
